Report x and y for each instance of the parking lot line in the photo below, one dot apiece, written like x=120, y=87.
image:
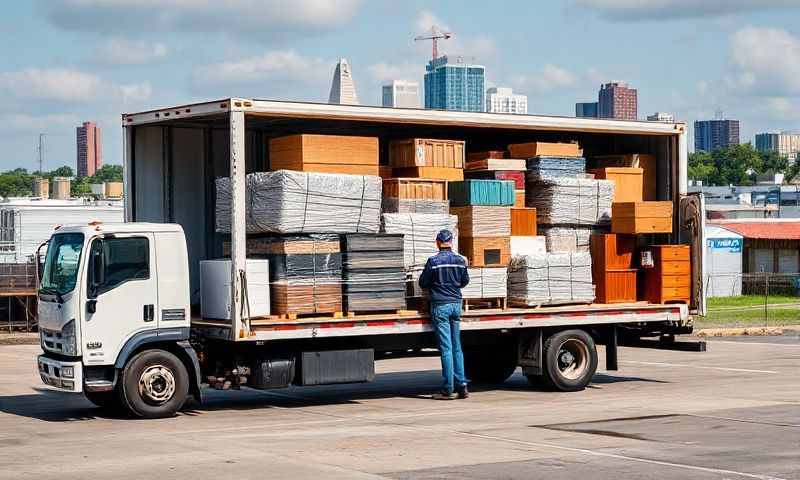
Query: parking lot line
x=725, y=369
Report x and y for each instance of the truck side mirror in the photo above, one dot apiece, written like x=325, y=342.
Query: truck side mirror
x=97, y=268
x=39, y=260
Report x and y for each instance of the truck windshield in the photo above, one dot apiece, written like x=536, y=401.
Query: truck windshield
x=61, y=264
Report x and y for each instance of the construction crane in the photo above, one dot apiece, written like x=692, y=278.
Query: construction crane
x=434, y=34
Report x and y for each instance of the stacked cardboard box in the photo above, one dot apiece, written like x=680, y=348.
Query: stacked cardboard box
x=325, y=154
x=373, y=273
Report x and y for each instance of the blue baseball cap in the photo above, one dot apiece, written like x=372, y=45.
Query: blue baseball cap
x=444, y=236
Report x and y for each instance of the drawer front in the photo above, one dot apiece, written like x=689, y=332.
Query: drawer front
x=674, y=252
x=675, y=293
x=674, y=267
x=672, y=281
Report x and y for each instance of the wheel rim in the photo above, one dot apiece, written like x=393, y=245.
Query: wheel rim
x=157, y=384
x=573, y=359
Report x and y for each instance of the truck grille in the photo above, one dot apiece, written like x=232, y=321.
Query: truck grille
x=51, y=340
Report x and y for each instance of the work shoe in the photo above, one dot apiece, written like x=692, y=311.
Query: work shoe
x=444, y=396
x=462, y=392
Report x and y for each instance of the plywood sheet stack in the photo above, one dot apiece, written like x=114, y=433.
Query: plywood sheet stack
x=613, y=268
x=484, y=218
x=427, y=158
x=550, y=279
x=486, y=283
x=325, y=154
x=419, y=234
x=373, y=273
x=415, y=195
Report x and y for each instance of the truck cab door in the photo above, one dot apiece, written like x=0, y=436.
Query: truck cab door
x=121, y=294
x=693, y=232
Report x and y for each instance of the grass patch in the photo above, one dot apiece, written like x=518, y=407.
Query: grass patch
x=749, y=301
x=748, y=310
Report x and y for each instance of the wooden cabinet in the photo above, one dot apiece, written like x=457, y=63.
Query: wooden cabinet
x=613, y=271
x=615, y=286
x=670, y=278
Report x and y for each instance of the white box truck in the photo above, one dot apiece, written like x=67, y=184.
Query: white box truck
x=118, y=302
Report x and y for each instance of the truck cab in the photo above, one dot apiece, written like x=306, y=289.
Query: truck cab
x=114, y=315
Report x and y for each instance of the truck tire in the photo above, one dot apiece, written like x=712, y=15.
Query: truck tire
x=489, y=368
x=155, y=384
x=108, y=400
x=570, y=360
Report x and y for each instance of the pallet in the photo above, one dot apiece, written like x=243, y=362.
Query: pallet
x=399, y=313
x=304, y=316
x=485, y=303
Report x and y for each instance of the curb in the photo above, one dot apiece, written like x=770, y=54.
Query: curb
x=750, y=331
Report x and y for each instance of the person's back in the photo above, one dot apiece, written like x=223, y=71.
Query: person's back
x=444, y=276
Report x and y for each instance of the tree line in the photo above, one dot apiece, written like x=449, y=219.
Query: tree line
x=738, y=165
x=19, y=182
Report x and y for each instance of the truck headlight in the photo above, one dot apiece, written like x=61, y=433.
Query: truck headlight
x=67, y=372
x=68, y=339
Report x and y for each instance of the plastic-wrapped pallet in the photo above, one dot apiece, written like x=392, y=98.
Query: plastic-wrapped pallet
x=374, y=279
x=545, y=167
x=570, y=201
x=550, y=279
x=566, y=239
x=486, y=283
x=286, y=201
x=419, y=230
x=415, y=205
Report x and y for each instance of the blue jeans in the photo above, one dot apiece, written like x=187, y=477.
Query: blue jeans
x=446, y=319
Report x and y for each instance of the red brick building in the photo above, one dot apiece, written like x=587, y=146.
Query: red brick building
x=617, y=100
x=90, y=149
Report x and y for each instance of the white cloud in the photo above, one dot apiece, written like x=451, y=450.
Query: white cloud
x=766, y=61
x=631, y=10
x=38, y=123
x=266, y=18
x=121, y=51
x=549, y=79
x=51, y=84
x=273, y=65
x=136, y=92
x=381, y=72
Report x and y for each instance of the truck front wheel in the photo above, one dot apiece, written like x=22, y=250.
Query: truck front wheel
x=155, y=384
x=570, y=360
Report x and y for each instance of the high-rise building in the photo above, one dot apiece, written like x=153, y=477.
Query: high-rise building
x=343, y=89
x=90, y=149
x=504, y=100
x=453, y=84
x=618, y=101
x=586, y=109
x=401, y=94
x=786, y=144
x=661, y=117
x=710, y=135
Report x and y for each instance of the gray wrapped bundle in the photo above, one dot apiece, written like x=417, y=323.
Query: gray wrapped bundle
x=286, y=201
x=566, y=239
x=550, y=279
x=486, y=283
x=414, y=205
x=419, y=230
x=576, y=201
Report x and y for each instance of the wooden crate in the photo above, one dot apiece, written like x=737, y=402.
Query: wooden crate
x=485, y=251
x=474, y=156
x=441, y=173
x=544, y=149
x=507, y=164
x=641, y=217
x=483, y=221
x=415, y=188
x=426, y=152
x=627, y=182
x=523, y=222
x=519, y=199
x=670, y=278
x=612, y=252
x=325, y=154
x=615, y=286
x=636, y=160
x=303, y=299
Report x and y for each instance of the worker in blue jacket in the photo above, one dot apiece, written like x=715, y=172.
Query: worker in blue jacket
x=444, y=276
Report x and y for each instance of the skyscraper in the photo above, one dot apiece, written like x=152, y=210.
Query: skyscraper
x=710, y=135
x=586, y=109
x=90, y=149
x=504, y=100
x=618, y=101
x=343, y=89
x=454, y=85
x=401, y=94
x=661, y=117
x=785, y=144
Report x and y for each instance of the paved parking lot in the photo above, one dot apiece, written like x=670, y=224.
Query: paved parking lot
x=732, y=412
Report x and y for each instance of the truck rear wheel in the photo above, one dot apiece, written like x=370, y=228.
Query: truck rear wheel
x=155, y=384
x=489, y=367
x=570, y=360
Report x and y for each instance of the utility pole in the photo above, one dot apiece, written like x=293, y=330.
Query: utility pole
x=41, y=154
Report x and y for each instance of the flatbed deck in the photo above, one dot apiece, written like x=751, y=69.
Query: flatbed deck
x=510, y=318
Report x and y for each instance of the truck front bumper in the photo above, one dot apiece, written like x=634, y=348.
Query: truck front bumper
x=67, y=376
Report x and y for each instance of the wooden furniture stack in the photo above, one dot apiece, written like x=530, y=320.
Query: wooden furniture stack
x=484, y=220
x=668, y=281
x=613, y=269
x=495, y=166
x=427, y=158
x=325, y=154
x=641, y=217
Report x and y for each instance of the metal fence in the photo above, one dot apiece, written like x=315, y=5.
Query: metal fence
x=752, y=299
x=18, y=296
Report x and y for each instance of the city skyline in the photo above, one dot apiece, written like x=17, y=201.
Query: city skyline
x=744, y=57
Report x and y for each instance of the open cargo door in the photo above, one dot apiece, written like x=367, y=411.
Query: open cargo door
x=692, y=232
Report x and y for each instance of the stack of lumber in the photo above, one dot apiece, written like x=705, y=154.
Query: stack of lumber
x=325, y=154
x=419, y=232
x=486, y=283
x=571, y=201
x=415, y=195
x=481, y=192
x=427, y=158
x=496, y=164
x=297, y=202
x=305, y=272
x=372, y=268
x=540, y=168
x=635, y=160
x=550, y=279
x=641, y=217
x=669, y=278
x=613, y=267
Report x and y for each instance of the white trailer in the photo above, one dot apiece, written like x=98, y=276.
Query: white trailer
x=133, y=339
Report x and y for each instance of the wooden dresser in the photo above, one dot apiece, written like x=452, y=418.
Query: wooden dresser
x=670, y=278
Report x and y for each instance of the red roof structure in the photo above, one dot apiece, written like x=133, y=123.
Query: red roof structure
x=775, y=229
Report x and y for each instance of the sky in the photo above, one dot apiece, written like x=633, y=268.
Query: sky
x=67, y=61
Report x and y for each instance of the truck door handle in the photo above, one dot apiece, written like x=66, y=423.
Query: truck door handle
x=149, y=313
x=91, y=306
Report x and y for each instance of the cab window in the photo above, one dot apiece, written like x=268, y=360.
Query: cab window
x=125, y=259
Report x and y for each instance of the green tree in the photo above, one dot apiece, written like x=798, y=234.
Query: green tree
x=17, y=182
x=737, y=165
x=80, y=187
x=108, y=173
x=701, y=167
